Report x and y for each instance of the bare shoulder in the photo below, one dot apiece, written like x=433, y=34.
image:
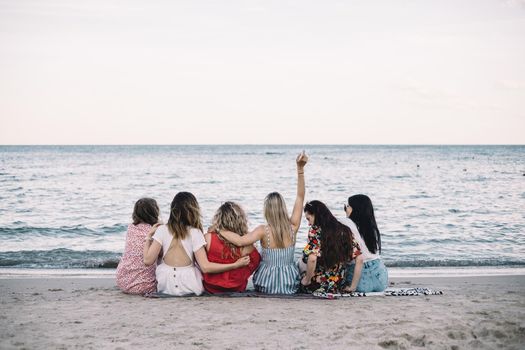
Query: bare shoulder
x=260, y=230
x=207, y=238
x=260, y=227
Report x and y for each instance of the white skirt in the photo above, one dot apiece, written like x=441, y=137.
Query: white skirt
x=179, y=281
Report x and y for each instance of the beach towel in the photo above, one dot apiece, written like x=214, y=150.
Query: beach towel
x=390, y=292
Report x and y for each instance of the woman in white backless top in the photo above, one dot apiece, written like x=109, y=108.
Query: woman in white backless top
x=182, y=243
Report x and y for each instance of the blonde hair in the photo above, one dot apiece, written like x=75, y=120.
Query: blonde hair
x=276, y=215
x=230, y=217
x=185, y=211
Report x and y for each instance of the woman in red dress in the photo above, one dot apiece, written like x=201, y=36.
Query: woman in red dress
x=231, y=217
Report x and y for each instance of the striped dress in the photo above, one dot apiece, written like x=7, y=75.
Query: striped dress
x=278, y=272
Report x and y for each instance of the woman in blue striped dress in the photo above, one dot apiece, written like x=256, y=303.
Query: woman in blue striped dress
x=278, y=272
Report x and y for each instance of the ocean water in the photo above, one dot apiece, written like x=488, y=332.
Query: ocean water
x=68, y=207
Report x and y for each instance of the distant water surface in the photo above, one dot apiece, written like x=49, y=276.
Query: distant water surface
x=69, y=206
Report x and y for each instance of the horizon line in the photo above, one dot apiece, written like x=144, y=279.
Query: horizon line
x=265, y=144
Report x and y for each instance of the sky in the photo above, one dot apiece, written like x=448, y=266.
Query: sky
x=262, y=72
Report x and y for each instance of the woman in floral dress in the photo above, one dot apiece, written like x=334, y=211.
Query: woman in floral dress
x=133, y=277
x=330, y=247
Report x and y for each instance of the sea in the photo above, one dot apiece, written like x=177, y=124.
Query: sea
x=440, y=209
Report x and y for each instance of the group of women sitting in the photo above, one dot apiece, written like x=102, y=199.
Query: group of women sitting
x=341, y=255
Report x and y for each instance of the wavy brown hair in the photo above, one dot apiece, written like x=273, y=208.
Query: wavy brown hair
x=185, y=211
x=230, y=217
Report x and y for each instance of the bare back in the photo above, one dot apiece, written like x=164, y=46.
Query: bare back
x=268, y=241
x=176, y=256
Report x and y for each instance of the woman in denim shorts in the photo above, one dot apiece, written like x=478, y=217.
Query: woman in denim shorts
x=361, y=220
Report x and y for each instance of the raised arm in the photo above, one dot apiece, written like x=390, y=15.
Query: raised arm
x=210, y=267
x=247, y=239
x=297, y=211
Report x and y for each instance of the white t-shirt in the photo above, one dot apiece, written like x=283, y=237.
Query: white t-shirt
x=193, y=241
x=367, y=255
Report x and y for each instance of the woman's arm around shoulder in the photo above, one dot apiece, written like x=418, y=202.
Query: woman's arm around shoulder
x=250, y=238
x=210, y=267
x=152, y=247
x=247, y=249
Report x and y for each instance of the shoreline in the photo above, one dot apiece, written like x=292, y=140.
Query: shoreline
x=394, y=272
x=474, y=312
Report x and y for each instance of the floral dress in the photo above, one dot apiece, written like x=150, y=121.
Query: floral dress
x=313, y=244
x=133, y=277
x=329, y=280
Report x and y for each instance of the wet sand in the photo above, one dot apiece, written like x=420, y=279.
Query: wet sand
x=91, y=313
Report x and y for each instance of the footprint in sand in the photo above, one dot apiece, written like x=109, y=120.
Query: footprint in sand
x=389, y=344
x=415, y=341
x=456, y=335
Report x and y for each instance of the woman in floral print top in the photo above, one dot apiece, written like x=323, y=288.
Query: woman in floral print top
x=133, y=277
x=327, y=251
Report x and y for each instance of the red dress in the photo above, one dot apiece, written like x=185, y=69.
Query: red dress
x=228, y=281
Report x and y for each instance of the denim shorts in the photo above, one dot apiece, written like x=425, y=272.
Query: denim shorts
x=374, y=276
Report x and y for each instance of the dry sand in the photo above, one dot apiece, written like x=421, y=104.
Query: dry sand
x=90, y=313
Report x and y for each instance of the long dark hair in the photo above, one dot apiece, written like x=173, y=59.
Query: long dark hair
x=363, y=216
x=185, y=211
x=145, y=211
x=336, y=238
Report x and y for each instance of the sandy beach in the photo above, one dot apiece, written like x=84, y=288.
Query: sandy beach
x=91, y=313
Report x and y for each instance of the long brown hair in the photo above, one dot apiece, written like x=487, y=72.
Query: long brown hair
x=145, y=211
x=185, y=211
x=277, y=217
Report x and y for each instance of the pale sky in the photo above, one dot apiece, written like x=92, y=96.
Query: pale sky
x=262, y=72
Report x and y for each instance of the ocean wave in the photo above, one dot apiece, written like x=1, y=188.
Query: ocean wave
x=420, y=196
x=400, y=176
x=63, y=258
x=9, y=178
x=68, y=231
x=453, y=262
x=60, y=259
x=77, y=212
